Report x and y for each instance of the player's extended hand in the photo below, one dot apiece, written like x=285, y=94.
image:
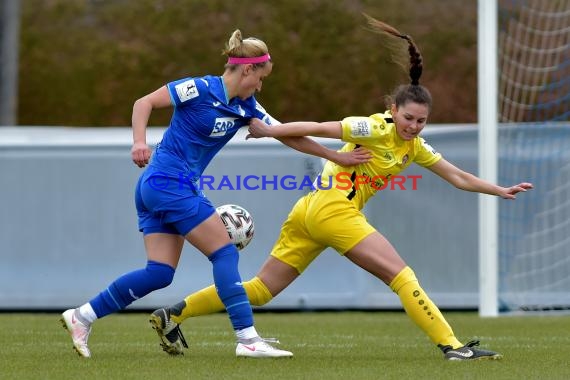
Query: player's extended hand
x=140, y=153
x=257, y=129
x=356, y=156
x=510, y=192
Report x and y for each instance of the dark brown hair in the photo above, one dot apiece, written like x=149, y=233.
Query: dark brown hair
x=413, y=92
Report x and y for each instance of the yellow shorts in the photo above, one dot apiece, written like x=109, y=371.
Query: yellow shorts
x=318, y=220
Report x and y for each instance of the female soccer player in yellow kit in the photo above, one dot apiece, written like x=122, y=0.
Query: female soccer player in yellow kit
x=333, y=217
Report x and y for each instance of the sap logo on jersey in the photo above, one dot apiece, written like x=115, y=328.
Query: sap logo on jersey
x=222, y=125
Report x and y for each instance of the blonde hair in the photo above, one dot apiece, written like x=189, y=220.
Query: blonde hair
x=239, y=47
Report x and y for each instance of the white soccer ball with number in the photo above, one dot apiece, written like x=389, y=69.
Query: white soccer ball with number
x=239, y=224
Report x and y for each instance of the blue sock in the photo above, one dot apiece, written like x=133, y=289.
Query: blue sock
x=132, y=286
x=228, y=285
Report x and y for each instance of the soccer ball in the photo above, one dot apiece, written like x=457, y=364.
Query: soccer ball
x=239, y=224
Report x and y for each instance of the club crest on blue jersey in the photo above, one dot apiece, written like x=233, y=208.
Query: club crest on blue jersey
x=222, y=125
x=186, y=90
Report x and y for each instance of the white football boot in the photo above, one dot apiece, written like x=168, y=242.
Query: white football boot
x=260, y=349
x=78, y=331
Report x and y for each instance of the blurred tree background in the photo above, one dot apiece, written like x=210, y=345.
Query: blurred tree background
x=85, y=62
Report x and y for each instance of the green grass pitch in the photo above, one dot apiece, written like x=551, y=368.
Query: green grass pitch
x=327, y=345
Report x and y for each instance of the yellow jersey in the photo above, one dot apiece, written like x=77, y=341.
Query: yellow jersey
x=390, y=156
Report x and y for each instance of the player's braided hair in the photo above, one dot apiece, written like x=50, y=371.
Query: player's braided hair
x=414, y=91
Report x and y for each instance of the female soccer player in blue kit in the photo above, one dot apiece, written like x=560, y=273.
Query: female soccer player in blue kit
x=333, y=217
x=208, y=111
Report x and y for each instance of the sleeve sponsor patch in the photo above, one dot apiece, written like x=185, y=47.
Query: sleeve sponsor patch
x=259, y=107
x=186, y=90
x=267, y=118
x=360, y=128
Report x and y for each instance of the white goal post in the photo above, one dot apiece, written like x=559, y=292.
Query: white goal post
x=488, y=162
x=524, y=136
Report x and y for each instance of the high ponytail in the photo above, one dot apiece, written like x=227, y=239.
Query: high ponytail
x=416, y=61
x=414, y=91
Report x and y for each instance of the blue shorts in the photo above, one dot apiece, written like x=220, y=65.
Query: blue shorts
x=167, y=205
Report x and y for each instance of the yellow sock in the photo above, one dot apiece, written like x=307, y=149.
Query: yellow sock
x=422, y=310
x=206, y=301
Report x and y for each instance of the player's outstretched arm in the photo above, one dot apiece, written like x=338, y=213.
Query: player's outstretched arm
x=330, y=129
x=308, y=146
x=469, y=182
x=292, y=135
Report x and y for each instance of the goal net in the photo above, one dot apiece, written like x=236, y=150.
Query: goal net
x=534, y=146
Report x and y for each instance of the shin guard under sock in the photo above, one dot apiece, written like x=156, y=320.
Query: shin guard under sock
x=421, y=309
x=132, y=286
x=207, y=301
x=229, y=287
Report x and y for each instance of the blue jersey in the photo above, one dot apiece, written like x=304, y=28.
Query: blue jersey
x=202, y=123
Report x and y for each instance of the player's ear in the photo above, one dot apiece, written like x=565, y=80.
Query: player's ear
x=247, y=69
x=393, y=109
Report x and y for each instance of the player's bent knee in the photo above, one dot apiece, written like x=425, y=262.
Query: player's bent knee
x=161, y=274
